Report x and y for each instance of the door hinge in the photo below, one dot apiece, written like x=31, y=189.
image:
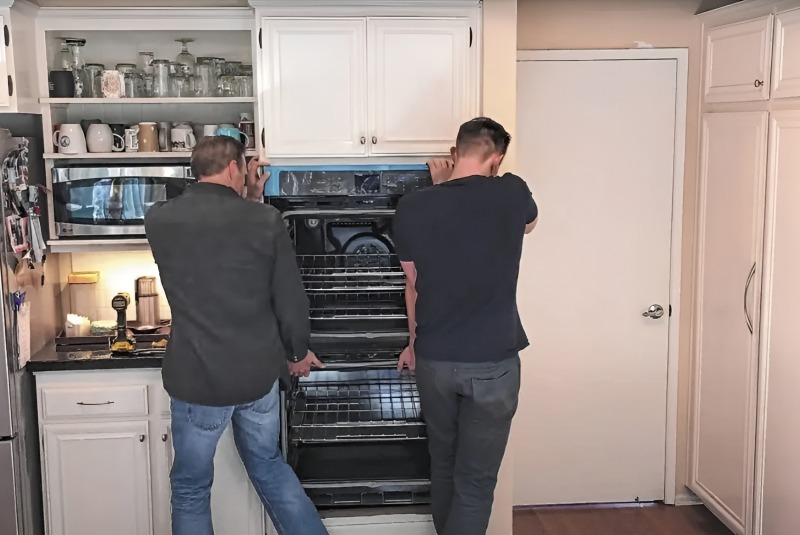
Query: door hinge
x=470, y=36
x=10, y=86
x=259, y=38
x=263, y=139
x=6, y=35
x=670, y=311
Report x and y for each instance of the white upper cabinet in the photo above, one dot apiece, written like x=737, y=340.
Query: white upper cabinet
x=418, y=84
x=737, y=65
x=366, y=86
x=786, y=58
x=315, y=75
x=5, y=89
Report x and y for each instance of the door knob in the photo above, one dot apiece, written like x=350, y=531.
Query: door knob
x=654, y=312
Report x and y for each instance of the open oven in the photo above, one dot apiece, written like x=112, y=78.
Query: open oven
x=353, y=432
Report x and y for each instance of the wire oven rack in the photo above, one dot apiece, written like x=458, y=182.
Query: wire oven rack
x=347, y=273
x=358, y=405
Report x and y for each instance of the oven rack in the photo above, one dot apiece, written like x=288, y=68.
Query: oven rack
x=349, y=262
x=360, y=312
x=351, y=273
x=357, y=405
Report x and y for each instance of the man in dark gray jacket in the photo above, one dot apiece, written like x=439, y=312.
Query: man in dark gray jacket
x=240, y=322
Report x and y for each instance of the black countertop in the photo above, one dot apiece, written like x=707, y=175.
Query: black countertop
x=48, y=360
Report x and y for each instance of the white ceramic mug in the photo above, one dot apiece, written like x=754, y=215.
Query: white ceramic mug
x=113, y=84
x=100, y=138
x=69, y=139
x=210, y=130
x=183, y=140
x=132, y=139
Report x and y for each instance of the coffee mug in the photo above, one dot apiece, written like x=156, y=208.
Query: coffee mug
x=86, y=123
x=148, y=137
x=69, y=139
x=163, y=136
x=113, y=84
x=235, y=133
x=183, y=139
x=119, y=136
x=210, y=130
x=62, y=84
x=132, y=139
x=100, y=138
x=248, y=129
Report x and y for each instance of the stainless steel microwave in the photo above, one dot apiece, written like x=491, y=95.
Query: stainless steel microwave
x=112, y=201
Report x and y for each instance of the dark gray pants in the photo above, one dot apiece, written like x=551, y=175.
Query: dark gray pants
x=468, y=409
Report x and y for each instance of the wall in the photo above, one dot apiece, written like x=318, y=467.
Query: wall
x=499, y=102
x=602, y=24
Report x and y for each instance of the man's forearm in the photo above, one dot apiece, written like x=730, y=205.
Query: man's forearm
x=411, y=310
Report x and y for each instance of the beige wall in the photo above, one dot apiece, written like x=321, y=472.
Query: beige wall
x=499, y=102
x=599, y=24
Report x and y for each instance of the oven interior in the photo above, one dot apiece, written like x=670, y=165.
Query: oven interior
x=354, y=432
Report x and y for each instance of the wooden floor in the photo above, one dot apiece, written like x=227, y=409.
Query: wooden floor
x=604, y=520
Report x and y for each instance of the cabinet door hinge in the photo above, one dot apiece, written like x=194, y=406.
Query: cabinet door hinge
x=10, y=86
x=263, y=139
x=470, y=36
x=259, y=38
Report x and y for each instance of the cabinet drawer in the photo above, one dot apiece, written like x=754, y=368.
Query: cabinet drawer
x=76, y=402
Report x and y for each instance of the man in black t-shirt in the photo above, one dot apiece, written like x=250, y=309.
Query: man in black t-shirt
x=460, y=243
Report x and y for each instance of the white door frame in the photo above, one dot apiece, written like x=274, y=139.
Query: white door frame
x=681, y=56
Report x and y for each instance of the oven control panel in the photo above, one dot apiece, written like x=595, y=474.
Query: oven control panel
x=346, y=181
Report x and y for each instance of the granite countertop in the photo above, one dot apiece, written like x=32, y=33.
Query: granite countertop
x=48, y=359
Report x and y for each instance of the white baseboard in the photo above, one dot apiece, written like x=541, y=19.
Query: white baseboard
x=685, y=496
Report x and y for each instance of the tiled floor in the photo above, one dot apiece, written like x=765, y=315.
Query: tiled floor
x=633, y=520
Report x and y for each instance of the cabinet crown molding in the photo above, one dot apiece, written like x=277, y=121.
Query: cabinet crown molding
x=363, y=3
x=6, y=3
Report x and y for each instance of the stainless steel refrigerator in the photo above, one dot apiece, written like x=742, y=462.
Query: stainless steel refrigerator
x=20, y=487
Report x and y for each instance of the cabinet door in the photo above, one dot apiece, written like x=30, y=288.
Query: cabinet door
x=97, y=478
x=419, y=84
x=235, y=506
x=780, y=337
x=5, y=87
x=737, y=60
x=786, y=62
x=726, y=349
x=315, y=74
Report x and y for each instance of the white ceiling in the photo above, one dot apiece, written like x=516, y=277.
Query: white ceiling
x=141, y=3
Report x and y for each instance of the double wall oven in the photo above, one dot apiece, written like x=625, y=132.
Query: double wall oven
x=353, y=432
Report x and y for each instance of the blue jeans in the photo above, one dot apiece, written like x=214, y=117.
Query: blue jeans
x=196, y=430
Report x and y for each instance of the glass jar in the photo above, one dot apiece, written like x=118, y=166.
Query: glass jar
x=161, y=78
x=93, y=84
x=77, y=65
x=131, y=78
x=219, y=65
x=64, y=59
x=206, y=77
x=232, y=68
x=146, y=69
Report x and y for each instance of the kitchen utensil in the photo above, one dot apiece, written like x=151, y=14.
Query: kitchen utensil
x=113, y=84
x=147, y=302
x=248, y=129
x=210, y=130
x=132, y=139
x=163, y=136
x=69, y=139
x=100, y=138
x=148, y=137
x=235, y=133
x=62, y=84
x=182, y=139
x=119, y=136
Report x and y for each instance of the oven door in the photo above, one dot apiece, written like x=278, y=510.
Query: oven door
x=95, y=201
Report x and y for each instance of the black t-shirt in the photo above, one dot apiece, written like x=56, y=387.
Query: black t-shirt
x=465, y=239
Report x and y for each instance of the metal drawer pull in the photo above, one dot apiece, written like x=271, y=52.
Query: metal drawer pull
x=748, y=320
x=374, y=140
x=95, y=404
x=363, y=140
x=164, y=437
x=141, y=438
x=758, y=83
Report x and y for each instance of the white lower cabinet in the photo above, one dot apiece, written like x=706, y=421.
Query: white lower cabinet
x=107, y=453
x=97, y=478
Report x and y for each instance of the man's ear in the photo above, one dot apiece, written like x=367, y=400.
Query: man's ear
x=453, y=154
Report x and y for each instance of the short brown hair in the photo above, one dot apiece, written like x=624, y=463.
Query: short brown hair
x=212, y=155
x=483, y=133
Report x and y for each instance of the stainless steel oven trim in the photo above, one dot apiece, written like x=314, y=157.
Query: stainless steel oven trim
x=70, y=174
x=68, y=230
x=323, y=212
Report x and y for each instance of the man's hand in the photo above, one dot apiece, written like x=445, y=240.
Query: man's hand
x=254, y=182
x=303, y=368
x=407, y=359
x=441, y=169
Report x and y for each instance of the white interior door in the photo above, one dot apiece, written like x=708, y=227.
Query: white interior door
x=730, y=229
x=315, y=75
x=596, y=143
